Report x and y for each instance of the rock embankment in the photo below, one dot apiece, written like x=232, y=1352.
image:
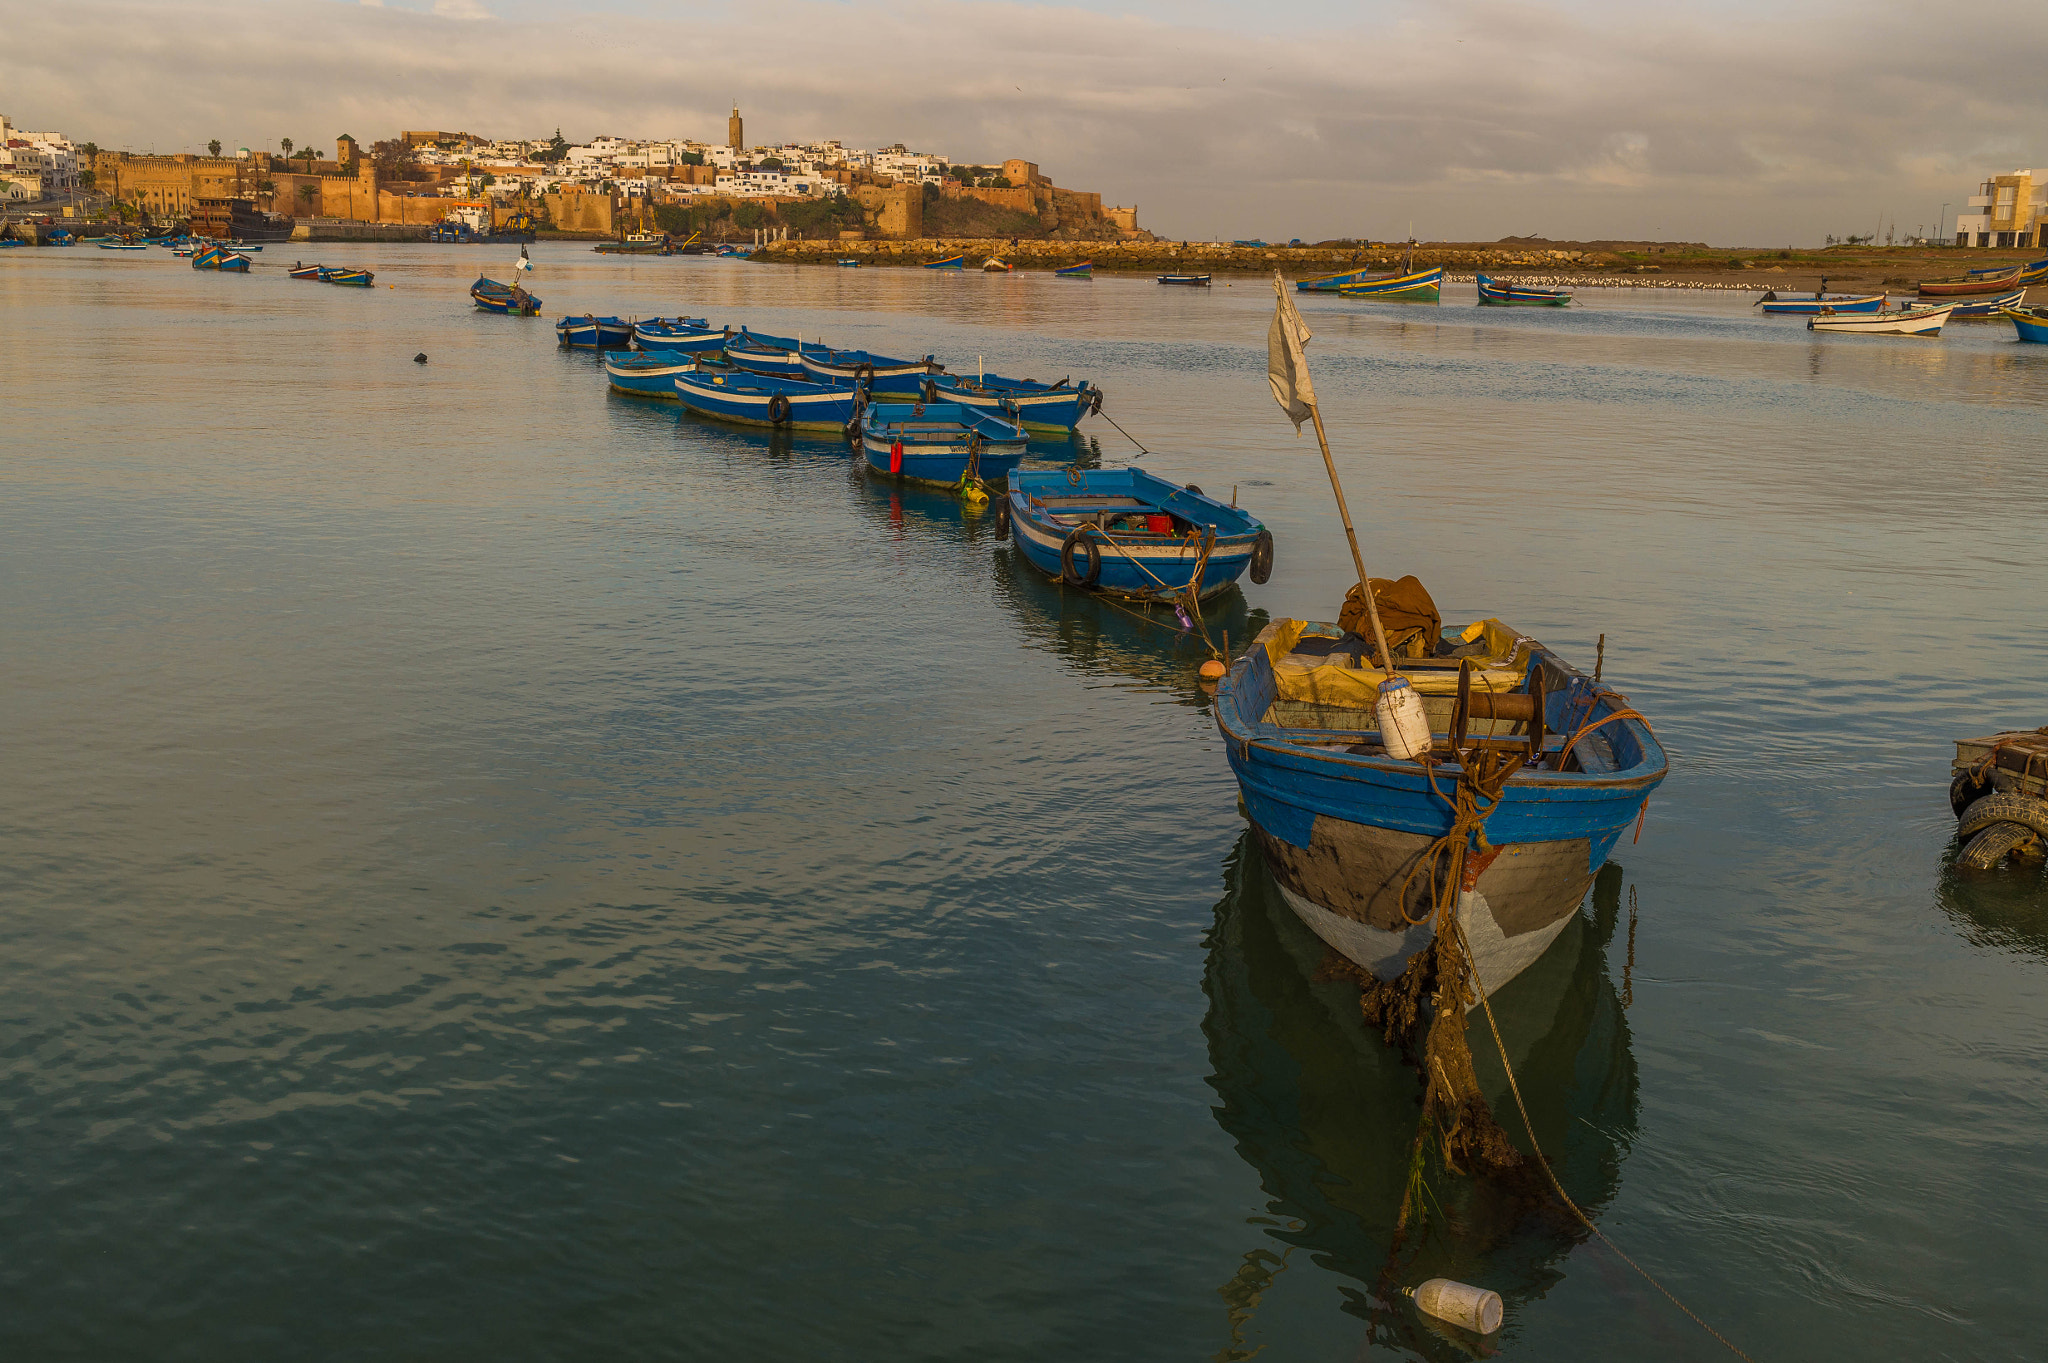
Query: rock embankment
x=1167, y=257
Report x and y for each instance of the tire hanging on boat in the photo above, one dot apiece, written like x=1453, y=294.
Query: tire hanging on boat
x=931, y=389
x=1080, y=539
x=1003, y=518
x=778, y=410
x=864, y=374
x=1262, y=557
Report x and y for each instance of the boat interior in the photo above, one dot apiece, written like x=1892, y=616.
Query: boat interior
x=1114, y=512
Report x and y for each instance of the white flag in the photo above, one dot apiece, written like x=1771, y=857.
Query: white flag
x=523, y=263
x=1286, y=364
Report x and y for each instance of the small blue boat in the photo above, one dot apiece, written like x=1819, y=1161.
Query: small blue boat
x=122, y=246
x=2035, y=272
x=949, y=263
x=1814, y=306
x=506, y=299
x=1417, y=286
x=881, y=373
x=683, y=335
x=775, y=356
x=1331, y=283
x=1344, y=825
x=939, y=442
x=756, y=400
x=849, y=264
x=2030, y=323
x=355, y=279
x=1132, y=534
x=1989, y=307
x=646, y=374
x=1506, y=293
x=1033, y=405
x=1084, y=270
x=591, y=332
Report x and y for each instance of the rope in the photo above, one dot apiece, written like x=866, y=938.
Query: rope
x=1126, y=434
x=1187, y=600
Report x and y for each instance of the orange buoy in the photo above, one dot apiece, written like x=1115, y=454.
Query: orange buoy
x=1213, y=670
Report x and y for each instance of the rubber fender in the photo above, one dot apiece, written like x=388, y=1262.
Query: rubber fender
x=931, y=389
x=778, y=409
x=1262, y=556
x=1964, y=792
x=1003, y=519
x=2007, y=806
x=1080, y=539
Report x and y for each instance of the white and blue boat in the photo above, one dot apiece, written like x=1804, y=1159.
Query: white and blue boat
x=1132, y=534
x=1989, y=307
x=646, y=374
x=1033, y=405
x=682, y=334
x=510, y=300
x=939, y=442
x=776, y=356
x=881, y=373
x=757, y=400
x=1819, y=303
x=591, y=332
x=1347, y=828
x=2030, y=323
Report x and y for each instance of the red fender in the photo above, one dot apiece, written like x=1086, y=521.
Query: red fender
x=896, y=457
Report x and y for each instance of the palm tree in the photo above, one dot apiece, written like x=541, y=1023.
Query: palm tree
x=287, y=145
x=213, y=147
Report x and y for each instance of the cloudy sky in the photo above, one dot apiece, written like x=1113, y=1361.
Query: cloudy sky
x=1730, y=121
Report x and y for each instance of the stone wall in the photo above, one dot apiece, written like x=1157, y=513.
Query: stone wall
x=1182, y=258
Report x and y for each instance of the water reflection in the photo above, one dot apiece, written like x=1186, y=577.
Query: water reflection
x=2005, y=909
x=1326, y=1113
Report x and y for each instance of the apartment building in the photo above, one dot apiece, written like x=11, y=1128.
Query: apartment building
x=2009, y=211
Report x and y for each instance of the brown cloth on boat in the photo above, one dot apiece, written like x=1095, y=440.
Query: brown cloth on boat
x=1407, y=614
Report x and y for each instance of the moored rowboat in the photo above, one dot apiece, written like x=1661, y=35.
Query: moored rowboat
x=646, y=375
x=685, y=336
x=508, y=299
x=1507, y=293
x=938, y=442
x=1083, y=270
x=880, y=373
x=1420, y=286
x=1988, y=307
x=1802, y=306
x=2030, y=323
x=1968, y=285
x=1200, y=281
x=591, y=332
x=1036, y=406
x=949, y=263
x=1909, y=322
x=756, y=400
x=1132, y=534
x=357, y=279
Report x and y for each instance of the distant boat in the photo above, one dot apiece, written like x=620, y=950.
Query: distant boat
x=941, y=443
x=506, y=299
x=1420, y=286
x=221, y=258
x=1988, y=307
x=2030, y=323
x=646, y=375
x=1803, y=305
x=994, y=266
x=1990, y=280
x=758, y=400
x=1331, y=283
x=2036, y=273
x=1131, y=534
x=356, y=279
x=122, y=246
x=1200, y=281
x=949, y=263
x=591, y=332
x=881, y=373
x=638, y=244
x=1085, y=270
x=849, y=264
x=305, y=271
x=1909, y=322
x=691, y=338
x=1036, y=406
x=1507, y=293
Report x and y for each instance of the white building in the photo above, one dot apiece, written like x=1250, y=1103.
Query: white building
x=2011, y=211
x=46, y=160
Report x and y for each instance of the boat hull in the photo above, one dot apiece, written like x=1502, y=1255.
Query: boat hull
x=644, y=380
x=1920, y=322
x=503, y=299
x=681, y=342
x=1989, y=307
x=2030, y=327
x=593, y=333
x=1968, y=286
x=1056, y=410
x=1149, y=567
x=1814, y=307
x=753, y=405
x=1197, y=281
x=897, y=376
x=1423, y=286
x=1500, y=294
x=940, y=464
x=778, y=364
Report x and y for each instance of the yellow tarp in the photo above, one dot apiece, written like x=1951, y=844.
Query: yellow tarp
x=1317, y=680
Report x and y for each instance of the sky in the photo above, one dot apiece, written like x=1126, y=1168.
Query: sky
x=1733, y=122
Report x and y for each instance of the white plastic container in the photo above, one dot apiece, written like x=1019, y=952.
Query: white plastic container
x=1463, y=1305
x=1404, y=725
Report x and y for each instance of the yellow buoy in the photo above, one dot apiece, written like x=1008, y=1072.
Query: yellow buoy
x=1213, y=670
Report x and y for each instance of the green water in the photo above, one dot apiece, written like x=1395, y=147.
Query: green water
x=494, y=869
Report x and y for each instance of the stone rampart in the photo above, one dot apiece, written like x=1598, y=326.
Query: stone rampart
x=1168, y=257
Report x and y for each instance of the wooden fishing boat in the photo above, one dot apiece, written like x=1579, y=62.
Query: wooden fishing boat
x=122, y=246
x=1033, y=405
x=1200, y=281
x=1419, y=286
x=994, y=266
x=506, y=299
x=757, y=400
x=591, y=332
x=686, y=335
x=205, y=257
x=1084, y=270
x=774, y=356
x=1131, y=534
x=1906, y=322
x=949, y=263
x=849, y=264
x=2036, y=273
x=880, y=373
x=2030, y=323
x=1347, y=828
x=941, y=443
x=1987, y=308
x=638, y=244
x=354, y=279
x=305, y=271
x=1988, y=280
x=1507, y=293
x=646, y=374
x=233, y=262
x=1331, y=283
x=1800, y=305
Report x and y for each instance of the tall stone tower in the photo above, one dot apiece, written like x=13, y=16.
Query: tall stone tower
x=735, y=131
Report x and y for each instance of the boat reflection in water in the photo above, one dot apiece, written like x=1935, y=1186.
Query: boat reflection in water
x=1326, y=1113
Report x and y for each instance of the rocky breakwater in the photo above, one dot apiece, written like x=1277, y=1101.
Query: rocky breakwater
x=1194, y=257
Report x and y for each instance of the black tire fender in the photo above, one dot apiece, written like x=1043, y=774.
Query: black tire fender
x=864, y=373
x=1003, y=519
x=1082, y=540
x=1262, y=557
x=778, y=410
x=931, y=389
x=1197, y=491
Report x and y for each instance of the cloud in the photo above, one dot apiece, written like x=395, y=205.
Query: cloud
x=1472, y=118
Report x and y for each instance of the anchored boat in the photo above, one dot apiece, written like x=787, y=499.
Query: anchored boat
x=756, y=400
x=591, y=332
x=508, y=299
x=1419, y=286
x=1988, y=307
x=1507, y=293
x=355, y=279
x=880, y=373
x=775, y=356
x=1992, y=279
x=1033, y=405
x=1131, y=534
x=306, y=271
x=2030, y=323
x=1803, y=306
x=1200, y=281
x=1084, y=270
x=949, y=263
x=685, y=335
x=1907, y=322
x=939, y=442
x=646, y=374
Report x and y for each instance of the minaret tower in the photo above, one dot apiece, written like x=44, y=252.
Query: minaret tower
x=735, y=131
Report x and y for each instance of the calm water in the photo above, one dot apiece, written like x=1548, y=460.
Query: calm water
x=496, y=870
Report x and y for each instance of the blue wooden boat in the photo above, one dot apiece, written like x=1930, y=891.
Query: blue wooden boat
x=207, y=257
x=506, y=299
x=232, y=262
x=941, y=443
x=591, y=332
x=1084, y=270
x=646, y=374
x=306, y=271
x=2036, y=273
x=122, y=246
x=2030, y=323
x=1506, y=293
x=757, y=400
x=353, y=279
x=1342, y=823
x=1196, y=281
x=1417, y=286
x=880, y=373
x=849, y=264
x=1131, y=534
x=1029, y=403
x=1330, y=283
x=1989, y=307
x=950, y=263
x=770, y=355
x=683, y=336
x=1803, y=306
